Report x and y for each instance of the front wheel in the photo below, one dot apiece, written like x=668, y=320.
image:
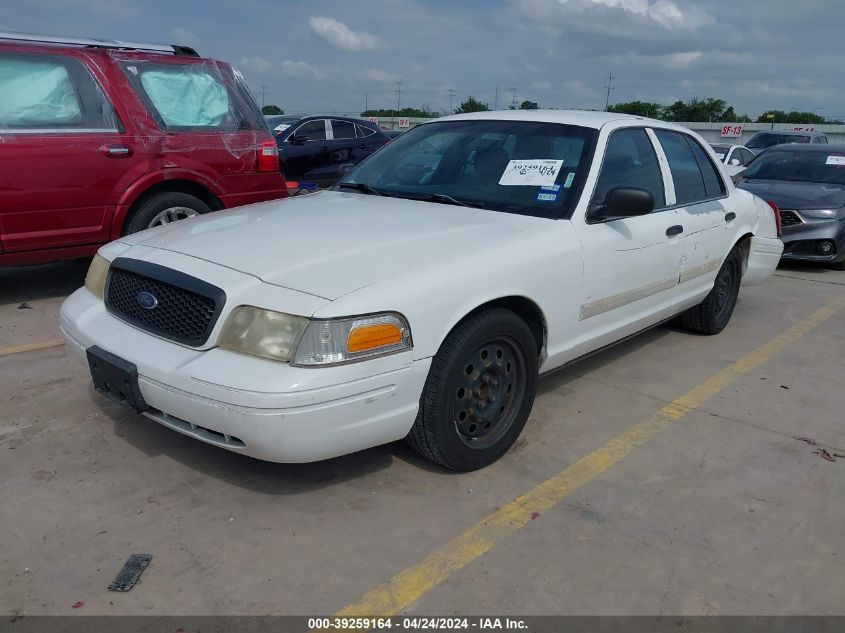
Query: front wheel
x=712, y=315
x=479, y=392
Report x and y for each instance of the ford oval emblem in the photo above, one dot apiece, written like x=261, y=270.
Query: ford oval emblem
x=147, y=300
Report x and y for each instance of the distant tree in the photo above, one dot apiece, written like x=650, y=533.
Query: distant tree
x=528, y=105
x=639, y=108
x=271, y=109
x=790, y=117
x=420, y=113
x=471, y=105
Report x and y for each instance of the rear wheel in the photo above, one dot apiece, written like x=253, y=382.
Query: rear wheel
x=164, y=208
x=479, y=392
x=712, y=315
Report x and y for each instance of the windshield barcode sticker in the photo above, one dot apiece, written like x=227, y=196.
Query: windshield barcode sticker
x=542, y=172
x=835, y=160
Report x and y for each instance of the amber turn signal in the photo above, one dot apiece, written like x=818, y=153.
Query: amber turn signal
x=367, y=337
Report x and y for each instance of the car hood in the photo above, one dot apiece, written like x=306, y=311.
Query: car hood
x=331, y=243
x=796, y=195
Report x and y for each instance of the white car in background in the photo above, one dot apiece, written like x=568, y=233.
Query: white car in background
x=734, y=157
x=422, y=297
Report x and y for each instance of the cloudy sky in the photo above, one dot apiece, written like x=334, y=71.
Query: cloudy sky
x=325, y=55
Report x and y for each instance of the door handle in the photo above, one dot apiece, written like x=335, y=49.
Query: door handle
x=677, y=229
x=730, y=215
x=115, y=150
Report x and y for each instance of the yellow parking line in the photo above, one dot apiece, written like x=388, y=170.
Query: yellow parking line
x=31, y=347
x=408, y=586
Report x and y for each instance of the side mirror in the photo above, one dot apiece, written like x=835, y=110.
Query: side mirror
x=735, y=161
x=622, y=202
x=344, y=169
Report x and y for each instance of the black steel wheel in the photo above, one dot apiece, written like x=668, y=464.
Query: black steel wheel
x=713, y=314
x=479, y=391
x=485, y=403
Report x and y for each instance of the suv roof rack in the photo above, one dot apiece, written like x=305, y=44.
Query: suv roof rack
x=173, y=49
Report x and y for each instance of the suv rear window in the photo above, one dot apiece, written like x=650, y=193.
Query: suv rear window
x=187, y=96
x=50, y=93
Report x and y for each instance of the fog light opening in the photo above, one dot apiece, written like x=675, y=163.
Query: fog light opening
x=825, y=248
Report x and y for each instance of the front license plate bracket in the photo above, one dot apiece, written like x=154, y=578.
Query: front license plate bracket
x=116, y=378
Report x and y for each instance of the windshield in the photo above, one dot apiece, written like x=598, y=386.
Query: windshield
x=768, y=139
x=525, y=167
x=802, y=166
x=279, y=123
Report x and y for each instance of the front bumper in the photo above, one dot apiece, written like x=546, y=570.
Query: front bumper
x=801, y=240
x=253, y=406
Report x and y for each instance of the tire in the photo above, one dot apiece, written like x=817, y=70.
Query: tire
x=163, y=208
x=479, y=392
x=713, y=314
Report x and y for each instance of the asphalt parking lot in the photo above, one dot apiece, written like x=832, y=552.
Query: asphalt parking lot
x=659, y=477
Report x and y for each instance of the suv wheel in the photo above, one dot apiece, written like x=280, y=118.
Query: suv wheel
x=164, y=208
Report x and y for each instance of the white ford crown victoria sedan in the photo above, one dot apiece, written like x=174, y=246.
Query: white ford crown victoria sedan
x=424, y=294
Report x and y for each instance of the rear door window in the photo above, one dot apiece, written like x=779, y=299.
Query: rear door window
x=342, y=130
x=47, y=93
x=686, y=174
x=187, y=96
x=713, y=185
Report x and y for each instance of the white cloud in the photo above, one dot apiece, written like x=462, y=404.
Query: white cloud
x=341, y=36
x=257, y=64
x=681, y=60
x=379, y=75
x=185, y=37
x=300, y=69
x=665, y=13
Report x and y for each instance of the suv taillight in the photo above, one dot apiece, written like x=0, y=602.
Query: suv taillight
x=268, y=156
x=777, y=216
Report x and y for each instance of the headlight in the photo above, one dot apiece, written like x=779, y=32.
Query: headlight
x=95, y=279
x=824, y=214
x=262, y=333
x=335, y=341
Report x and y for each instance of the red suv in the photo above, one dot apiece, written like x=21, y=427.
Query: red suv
x=103, y=138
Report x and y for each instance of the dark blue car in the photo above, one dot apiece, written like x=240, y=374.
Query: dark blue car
x=318, y=148
x=807, y=183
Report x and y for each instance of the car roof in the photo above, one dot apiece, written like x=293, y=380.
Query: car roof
x=805, y=147
x=790, y=133
x=341, y=117
x=583, y=118
x=59, y=44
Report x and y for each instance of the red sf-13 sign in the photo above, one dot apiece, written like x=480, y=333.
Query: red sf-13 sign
x=731, y=131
